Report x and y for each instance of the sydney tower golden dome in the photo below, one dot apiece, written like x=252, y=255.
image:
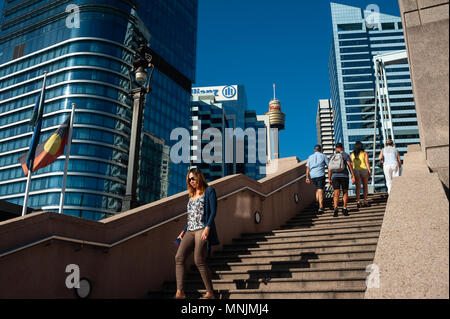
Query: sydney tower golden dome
x=276, y=117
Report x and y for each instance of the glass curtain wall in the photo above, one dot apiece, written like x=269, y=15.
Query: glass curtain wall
x=358, y=36
x=89, y=65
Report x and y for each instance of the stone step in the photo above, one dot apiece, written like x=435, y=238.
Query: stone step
x=351, y=201
x=305, y=264
x=347, y=293
x=330, y=217
x=319, y=219
x=356, y=293
x=298, y=257
x=273, y=244
x=329, y=209
x=294, y=250
x=303, y=233
x=295, y=241
x=311, y=238
x=273, y=284
x=373, y=202
x=304, y=274
x=332, y=223
x=315, y=229
x=352, y=198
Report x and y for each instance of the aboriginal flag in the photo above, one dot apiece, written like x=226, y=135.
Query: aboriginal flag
x=48, y=151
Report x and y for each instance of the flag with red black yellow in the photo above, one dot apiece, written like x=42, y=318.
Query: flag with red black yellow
x=48, y=151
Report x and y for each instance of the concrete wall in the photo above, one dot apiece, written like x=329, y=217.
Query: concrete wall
x=412, y=254
x=426, y=29
x=277, y=165
x=132, y=268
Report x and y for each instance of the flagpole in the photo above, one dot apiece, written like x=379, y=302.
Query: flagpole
x=25, y=201
x=66, y=164
x=30, y=169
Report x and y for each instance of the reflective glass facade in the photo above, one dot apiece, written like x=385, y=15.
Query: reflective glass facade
x=207, y=112
x=89, y=65
x=357, y=38
x=255, y=170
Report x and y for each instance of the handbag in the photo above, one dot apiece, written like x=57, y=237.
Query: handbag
x=380, y=164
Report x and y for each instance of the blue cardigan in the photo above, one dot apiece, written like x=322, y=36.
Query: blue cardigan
x=208, y=217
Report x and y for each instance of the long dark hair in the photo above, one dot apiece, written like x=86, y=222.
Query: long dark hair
x=389, y=142
x=359, y=147
x=201, y=181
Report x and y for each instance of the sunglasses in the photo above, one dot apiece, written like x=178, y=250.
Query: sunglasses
x=192, y=179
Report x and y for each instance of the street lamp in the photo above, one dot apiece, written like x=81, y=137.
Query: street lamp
x=138, y=90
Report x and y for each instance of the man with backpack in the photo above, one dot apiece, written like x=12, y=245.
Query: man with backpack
x=315, y=173
x=338, y=176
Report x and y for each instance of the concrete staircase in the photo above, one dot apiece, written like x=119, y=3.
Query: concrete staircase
x=311, y=256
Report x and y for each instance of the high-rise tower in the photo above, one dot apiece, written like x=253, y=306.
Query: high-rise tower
x=86, y=48
x=223, y=108
x=358, y=36
x=274, y=123
x=325, y=130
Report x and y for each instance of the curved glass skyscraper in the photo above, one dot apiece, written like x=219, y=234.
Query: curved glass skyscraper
x=86, y=48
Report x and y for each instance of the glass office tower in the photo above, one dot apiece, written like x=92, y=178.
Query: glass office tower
x=222, y=108
x=358, y=36
x=325, y=127
x=86, y=48
x=325, y=131
x=256, y=170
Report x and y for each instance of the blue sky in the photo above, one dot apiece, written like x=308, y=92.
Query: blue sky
x=260, y=42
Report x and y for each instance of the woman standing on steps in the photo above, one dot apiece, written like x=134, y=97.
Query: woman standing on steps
x=200, y=232
x=361, y=167
x=392, y=163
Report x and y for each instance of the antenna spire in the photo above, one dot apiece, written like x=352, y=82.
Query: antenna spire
x=274, y=98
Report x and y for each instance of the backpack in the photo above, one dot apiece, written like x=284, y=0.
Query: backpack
x=336, y=163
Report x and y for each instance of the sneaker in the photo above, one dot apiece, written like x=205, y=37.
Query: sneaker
x=320, y=211
x=358, y=204
x=345, y=211
x=336, y=210
x=366, y=204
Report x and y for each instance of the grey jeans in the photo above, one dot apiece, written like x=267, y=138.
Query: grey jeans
x=192, y=241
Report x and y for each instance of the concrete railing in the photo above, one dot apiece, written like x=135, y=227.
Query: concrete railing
x=132, y=253
x=412, y=256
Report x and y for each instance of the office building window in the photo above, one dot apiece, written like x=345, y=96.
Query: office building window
x=388, y=26
x=349, y=26
x=19, y=51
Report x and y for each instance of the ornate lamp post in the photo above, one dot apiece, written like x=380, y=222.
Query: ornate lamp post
x=141, y=63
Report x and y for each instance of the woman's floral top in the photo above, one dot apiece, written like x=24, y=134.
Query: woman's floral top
x=196, y=208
